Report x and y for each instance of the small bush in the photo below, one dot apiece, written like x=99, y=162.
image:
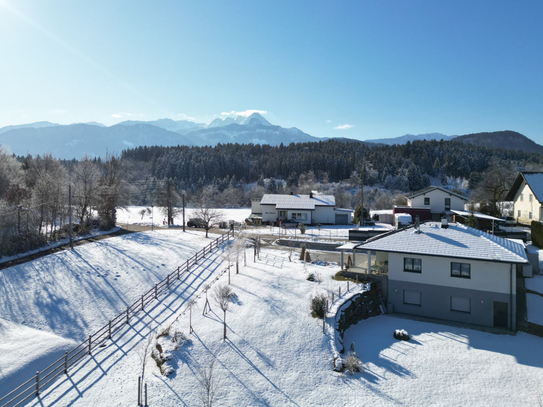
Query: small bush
x=303, y=228
x=318, y=306
x=302, y=253
x=311, y=277
x=401, y=335
x=352, y=364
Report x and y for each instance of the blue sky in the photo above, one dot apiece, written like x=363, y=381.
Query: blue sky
x=358, y=69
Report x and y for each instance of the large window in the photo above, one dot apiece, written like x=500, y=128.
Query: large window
x=461, y=270
x=299, y=216
x=412, y=297
x=282, y=214
x=460, y=304
x=412, y=265
x=426, y=201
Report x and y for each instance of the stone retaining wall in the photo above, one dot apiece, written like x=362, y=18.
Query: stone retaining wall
x=361, y=306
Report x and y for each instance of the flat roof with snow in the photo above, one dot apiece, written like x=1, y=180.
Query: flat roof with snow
x=457, y=241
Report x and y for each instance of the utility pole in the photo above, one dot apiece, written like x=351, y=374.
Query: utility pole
x=152, y=217
x=70, y=215
x=183, y=212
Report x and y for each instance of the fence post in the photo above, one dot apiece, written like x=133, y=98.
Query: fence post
x=187, y=264
x=196, y=258
x=90, y=344
x=347, y=286
x=66, y=362
x=37, y=383
x=179, y=272
x=145, y=394
x=139, y=390
x=109, y=329
x=168, y=281
x=156, y=292
x=142, y=302
x=339, y=292
x=127, y=314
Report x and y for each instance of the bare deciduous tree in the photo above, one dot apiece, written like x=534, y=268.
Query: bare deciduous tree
x=209, y=382
x=222, y=295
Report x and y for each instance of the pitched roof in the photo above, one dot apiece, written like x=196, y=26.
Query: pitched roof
x=298, y=201
x=534, y=181
x=457, y=241
x=424, y=191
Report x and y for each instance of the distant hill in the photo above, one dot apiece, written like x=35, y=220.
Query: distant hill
x=502, y=139
x=411, y=137
x=36, y=125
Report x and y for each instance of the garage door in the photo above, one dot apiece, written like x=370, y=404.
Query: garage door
x=342, y=219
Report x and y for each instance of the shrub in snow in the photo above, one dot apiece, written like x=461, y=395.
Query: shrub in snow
x=179, y=339
x=314, y=277
x=318, y=305
x=303, y=228
x=401, y=335
x=352, y=363
x=307, y=257
x=311, y=277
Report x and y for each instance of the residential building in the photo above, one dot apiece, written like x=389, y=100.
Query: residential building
x=527, y=195
x=449, y=272
x=309, y=209
x=440, y=201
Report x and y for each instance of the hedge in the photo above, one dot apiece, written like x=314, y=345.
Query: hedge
x=537, y=233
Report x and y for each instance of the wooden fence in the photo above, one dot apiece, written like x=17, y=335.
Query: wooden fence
x=43, y=379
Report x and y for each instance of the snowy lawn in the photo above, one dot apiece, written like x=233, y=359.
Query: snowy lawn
x=58, y=300
x=534, y=303
x=277, y=355
x=132, y=215
x=535, y=283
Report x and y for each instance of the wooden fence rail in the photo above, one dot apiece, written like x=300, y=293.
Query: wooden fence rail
x=41, y=380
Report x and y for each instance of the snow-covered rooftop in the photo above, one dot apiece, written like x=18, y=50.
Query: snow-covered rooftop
x=426, y=190
x=479, y=215
x=298, y=201
x=535, y=181
x=457, y=240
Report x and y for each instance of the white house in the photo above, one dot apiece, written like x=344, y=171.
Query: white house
x=439, y=200
x=450, y=272
x=527, y=195
x=308, y=209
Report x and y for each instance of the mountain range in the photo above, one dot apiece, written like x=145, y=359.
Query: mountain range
x=95, y=139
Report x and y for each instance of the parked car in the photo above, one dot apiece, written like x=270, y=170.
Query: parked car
x=508, y=221
x=196, y=223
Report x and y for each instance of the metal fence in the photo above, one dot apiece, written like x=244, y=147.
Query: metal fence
x=43, y=379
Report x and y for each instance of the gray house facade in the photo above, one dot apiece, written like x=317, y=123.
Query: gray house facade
x=452, y=273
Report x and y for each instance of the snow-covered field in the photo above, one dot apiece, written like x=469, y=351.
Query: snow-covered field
x=275, y=353
x=132, y=215
x=58, y=300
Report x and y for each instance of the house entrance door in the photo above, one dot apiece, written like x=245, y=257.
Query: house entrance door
x=500, y=314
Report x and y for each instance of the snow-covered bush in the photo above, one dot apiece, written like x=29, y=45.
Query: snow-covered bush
x=401, y=335
x=352, y=363
x=319, y=305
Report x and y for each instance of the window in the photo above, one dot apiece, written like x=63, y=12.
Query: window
x=447, y=204
x=461, y=270
x=282, y=214
x=518, y=213
x=412, y=265
x=412, y=297
x=529, y=215
x=521, y=197
x=460, y=304
x=299, y=216
x=531, y=198
x=427, y=201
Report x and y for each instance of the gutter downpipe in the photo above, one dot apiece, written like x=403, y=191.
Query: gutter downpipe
x=511, y=324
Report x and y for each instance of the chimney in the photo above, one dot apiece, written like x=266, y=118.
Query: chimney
x=291, y=193
x=444, y=223
x=311, y=194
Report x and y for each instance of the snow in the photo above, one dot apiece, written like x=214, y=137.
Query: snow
x=275, y=354
x=534, y=303
x=131, y=215
x=535, y=283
